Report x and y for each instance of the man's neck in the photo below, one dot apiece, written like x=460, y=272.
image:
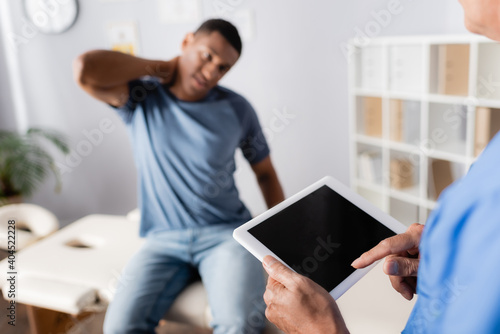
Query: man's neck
x=177, y=90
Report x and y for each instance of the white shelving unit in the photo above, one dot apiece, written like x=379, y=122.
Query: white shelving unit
x=414, y=105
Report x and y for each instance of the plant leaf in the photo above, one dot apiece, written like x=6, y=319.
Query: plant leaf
x=24, y=163
x=55, y=137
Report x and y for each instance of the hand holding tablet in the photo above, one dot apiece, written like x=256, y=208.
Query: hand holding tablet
x=319, y=232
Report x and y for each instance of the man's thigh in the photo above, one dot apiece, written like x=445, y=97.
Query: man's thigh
x=235, y=285
x=147, y=287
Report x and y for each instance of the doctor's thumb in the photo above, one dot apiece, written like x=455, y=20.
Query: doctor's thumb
x=278, y=271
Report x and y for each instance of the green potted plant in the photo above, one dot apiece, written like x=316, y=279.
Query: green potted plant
x=25, y=162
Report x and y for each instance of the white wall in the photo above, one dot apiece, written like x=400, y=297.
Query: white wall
x=7, y=115
x=294, y=64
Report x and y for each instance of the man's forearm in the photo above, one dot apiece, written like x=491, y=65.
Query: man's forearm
x=271, y=189
x=107, y=69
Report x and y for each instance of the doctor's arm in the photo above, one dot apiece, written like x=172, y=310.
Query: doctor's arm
x=268, y=182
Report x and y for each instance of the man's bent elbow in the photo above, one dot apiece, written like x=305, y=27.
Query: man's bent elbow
x=79, y=70
x=265, y=178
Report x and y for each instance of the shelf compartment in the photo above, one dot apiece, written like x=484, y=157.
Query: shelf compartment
x=442, y=173
x=406, y=68
x=449, y=69
x=369, y=117
x=488, y=71
x=404, y=174
x=404, y=121
x=487, y=124
x=447, y=128
x=369, y=162
x=373, y=197
x=370, y=73
x=406, y=213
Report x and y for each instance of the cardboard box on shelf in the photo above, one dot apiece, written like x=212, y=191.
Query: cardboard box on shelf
x=372, y=110
x=404, y=121
x=442, y=177
x=453, y=69
x=401, y=173
x=487, y=125
x=396, y=120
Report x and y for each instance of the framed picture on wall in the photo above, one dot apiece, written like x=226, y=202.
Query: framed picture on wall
x=123, y=37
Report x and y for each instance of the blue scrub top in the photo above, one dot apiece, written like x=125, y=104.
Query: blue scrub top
x=459, y=274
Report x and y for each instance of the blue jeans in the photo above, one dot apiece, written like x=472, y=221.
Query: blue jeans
x=165, y=264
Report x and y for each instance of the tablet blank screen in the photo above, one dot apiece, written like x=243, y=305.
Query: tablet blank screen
x=320, y=235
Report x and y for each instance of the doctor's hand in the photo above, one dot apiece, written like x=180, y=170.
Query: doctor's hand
x=298, y=305
x=402, y=259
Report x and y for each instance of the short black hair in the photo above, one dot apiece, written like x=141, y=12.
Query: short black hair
x=225, y=28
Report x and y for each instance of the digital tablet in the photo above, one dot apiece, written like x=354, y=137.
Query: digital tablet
x=319, y=232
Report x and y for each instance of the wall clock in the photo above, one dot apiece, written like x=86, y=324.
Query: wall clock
x=51, y=16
